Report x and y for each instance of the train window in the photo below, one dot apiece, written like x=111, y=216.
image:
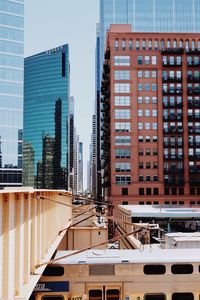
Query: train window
x=112, y=294
x=182, y=269
x=182, y=296
x=53, y=297
x=155, y=297
x=53, y=271
x=95, y=295
x=154, y=269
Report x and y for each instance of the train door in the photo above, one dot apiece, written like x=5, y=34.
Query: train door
x=104, y=292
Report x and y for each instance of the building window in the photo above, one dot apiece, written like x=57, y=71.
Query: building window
x=147, y=99
x=148, y=139
x=147, y=60
x=182, y=296
x=155, y=178
x=154, y=60
x=148, y=151
x=143, y=44
x=122, y=113
x=148, y=165
x=155, y=191
x=123, y=180
x=154, y=126
x=154, y=74
x=139, y=60
x=124, y=191
x=139, y=74
x=122, y=140
x=155, y=139
x=141, y=178
x=148, y=191
x=148, y=178
x=154, y=113
x=122, y=60
x=130, y=44
x=122, y=100
x=154, y=87
x=123, y=44
x=147, y=126
x=116, y=45
x=140, y=138
x=122, y=88
x=122, y=75
x=146, y=74
x=140, y=125
x=140, y=112
x=122, y=127
x=140, y=152
x=141, y=165
x=147, y=87
x=147, y=112
x=139, y=100
x=150, y=44
x=137, y=45
x=141, y=191
x=122, y=153
x=122, y=167
x=139, y=86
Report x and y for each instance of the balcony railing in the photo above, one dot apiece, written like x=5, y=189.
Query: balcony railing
x=172, y=79
x=193, y=104
x=172, y=51
x=191, y=78
x=173, y=91
x=171, y=64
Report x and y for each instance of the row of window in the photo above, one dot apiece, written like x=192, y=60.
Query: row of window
x=125, y=100
x=148, y=178
x=172, y=75
x=122, y=127
x=147, y=113
x=122, y=153
x=148, y=191
x=147, y=60
x=147, y=125
x=122, y=75
x=193, y=60
x=156, y=44
x=147, y=100
x=147, y=74
x=122, y=88
x=172, y=140
x=122, y=113
x=172, y=60
x=147, y=87
x=147, y=138
x=122, y=100
x=172, y=88
x=148, y=165
x=172, y=100
x=148, y=152
x=123, y=167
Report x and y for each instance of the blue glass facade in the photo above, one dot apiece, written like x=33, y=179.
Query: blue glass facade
x=11, y=91
x=150, y=16
x=46, y=91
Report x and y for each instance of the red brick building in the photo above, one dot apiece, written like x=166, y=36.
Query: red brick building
x=151, y=118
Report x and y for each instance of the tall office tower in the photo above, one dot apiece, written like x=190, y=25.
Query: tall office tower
x=151, y=113
x=11, y=91
x=71, y=138
x=80, y=167
x=145, y=16
x=46, y=93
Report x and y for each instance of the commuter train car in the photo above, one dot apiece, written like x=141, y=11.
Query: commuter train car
x=150, y=273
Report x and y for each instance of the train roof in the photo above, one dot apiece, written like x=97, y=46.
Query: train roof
x=159, y=211
x=146, y=255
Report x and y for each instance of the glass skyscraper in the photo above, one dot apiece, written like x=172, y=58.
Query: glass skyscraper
x=46, y=92
x=11, y=91
x=150, y=16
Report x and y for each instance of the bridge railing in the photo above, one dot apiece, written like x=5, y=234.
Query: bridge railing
x=30, y=222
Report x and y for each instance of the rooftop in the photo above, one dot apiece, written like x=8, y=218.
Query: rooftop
x=160, y=211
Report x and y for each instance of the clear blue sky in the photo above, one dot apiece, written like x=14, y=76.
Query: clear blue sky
x=50, y=23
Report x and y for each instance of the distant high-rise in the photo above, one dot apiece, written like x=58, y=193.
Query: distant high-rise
x=11, y=91
x=143, y=16
x=46, y=96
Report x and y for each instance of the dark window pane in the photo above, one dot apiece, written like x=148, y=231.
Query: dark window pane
x=154, y=269
x=155, y=297
x=182, y=296
x=182, y=269
x=53, y=271
x=95, y=295
x=112, y=294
